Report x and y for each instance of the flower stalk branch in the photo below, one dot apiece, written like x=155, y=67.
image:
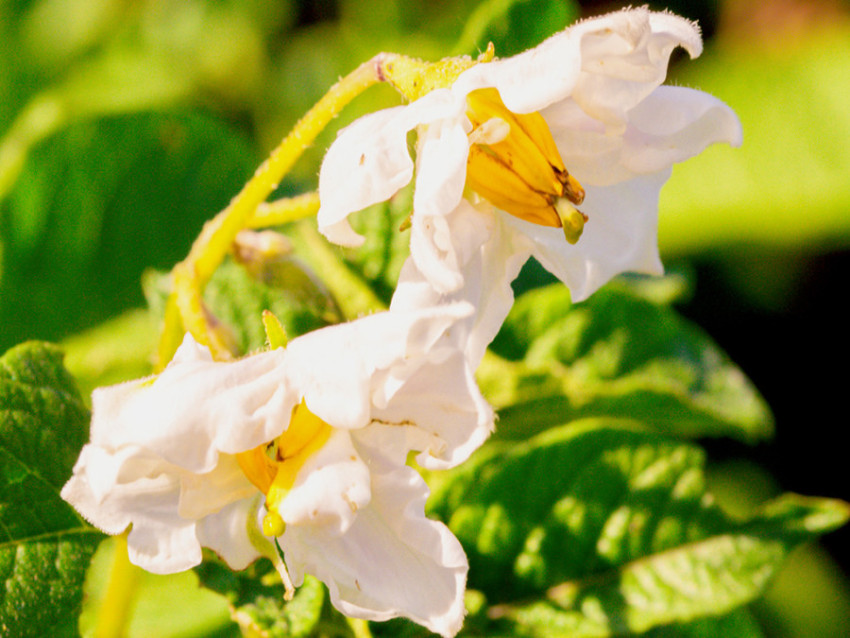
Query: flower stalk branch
x=184, y=309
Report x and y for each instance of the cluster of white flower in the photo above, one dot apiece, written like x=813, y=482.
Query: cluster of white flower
x=305, y=447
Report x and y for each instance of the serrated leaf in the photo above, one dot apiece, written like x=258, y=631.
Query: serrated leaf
x=45, y=546
x=617, y=354
x=257, y=603
x=614, y=525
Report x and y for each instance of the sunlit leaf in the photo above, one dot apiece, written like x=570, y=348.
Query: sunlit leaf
x=614, y=526
x=617, y=354
x=257, y=603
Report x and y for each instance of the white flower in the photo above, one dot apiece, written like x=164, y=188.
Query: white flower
x=208, y=453
x=484, y=202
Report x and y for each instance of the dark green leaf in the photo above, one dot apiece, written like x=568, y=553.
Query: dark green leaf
x=614, y=525
x=101, y=202
x=45, y=546
x=617, y=354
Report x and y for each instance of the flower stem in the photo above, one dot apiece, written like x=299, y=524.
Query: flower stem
x=353, y=295
x=359, y=627
x=120, y=593
x=213, y=244
x=284, y=211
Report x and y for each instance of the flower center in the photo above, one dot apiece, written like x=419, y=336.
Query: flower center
x=514, y=163
x=273, y=467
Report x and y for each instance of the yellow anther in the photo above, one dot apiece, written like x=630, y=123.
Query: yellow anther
x=515, y=164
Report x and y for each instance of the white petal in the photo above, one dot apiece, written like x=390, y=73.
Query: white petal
x=226, y=533
x=330, y=488
x=113, y=491
x=196, y=408
x=490, y=255
x=620, y=236
x=670, y=125
x=205, y=494
x=443, y=400
x=392, y=561
x=607, y=64
x=342, y=370
x=444, y=240
x=369, y=162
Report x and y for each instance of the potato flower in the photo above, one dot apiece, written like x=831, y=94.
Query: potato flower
x=559, y=152
x=305, y=447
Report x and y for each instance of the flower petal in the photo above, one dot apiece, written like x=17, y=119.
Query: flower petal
x=227, y=533
x=669, y=126
x=369, y=162
x=341, y=371
x=330, y=488
x=606, y=64
x=490, y=255
x=113, y=491
x=392, y=561
x=439, y=189
x=196, y=408
x=621, y=235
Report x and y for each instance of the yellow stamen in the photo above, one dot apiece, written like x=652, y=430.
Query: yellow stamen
x=274, y=466
x=520, y=171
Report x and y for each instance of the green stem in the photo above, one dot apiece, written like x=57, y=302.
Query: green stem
x=117, y=604
x=359, y=627
x=215, y=241
x=353, y=295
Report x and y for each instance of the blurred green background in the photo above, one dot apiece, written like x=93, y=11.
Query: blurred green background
x=125, y=124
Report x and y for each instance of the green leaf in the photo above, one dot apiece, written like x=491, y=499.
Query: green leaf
x=614, y=526
x=616, y=354
x=101, y=202
x=256, y=599
x=45, y=546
